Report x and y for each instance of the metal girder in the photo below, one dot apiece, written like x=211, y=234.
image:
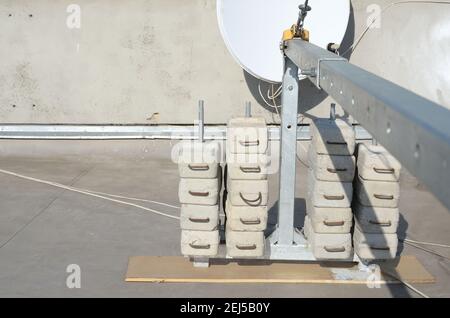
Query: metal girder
x=415, y=130
x=125, y=132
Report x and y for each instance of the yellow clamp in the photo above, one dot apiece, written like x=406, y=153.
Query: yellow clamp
x=291, y=33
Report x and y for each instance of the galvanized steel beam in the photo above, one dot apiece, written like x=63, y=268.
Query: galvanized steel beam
x=415, y=130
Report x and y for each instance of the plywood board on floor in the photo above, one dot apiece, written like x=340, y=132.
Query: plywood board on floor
x=173, y=269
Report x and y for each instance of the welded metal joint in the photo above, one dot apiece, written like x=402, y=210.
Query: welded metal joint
x=311, y=72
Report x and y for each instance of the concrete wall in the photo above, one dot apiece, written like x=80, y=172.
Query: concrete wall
x=149, y=61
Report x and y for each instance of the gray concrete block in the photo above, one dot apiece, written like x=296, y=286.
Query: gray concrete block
x=247, y=166
x=246, y=219
x=328, y=246
x=375, y=246
x=331, y=167
x=330, y=220
x=375, y=219
x=199, y=243
x=199, y=191
x=199, y=159
x=247, y=135
x=377, y=193
x=199, y=170
x=333, y=137
x=327, y=194
x=199, y=217
x=244, y=244
x=375, y=163
x=248, y=192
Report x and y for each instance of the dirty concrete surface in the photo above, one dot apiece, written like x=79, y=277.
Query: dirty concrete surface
x=43, y=229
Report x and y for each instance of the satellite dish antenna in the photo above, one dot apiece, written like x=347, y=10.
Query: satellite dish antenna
x=252, y=30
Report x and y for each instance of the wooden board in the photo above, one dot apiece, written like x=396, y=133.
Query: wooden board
x=163, y=269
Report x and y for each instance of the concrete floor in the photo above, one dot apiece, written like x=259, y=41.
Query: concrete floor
x=44, y=229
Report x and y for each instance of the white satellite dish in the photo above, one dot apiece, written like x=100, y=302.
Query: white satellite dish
x=252, y=30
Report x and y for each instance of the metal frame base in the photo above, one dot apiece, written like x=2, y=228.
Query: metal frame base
x=286, y=243
x=298, y=251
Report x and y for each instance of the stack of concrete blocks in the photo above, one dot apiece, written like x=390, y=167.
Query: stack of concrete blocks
x=199, y=188
x=375, y=206
x=329, y=216
x=246, y=187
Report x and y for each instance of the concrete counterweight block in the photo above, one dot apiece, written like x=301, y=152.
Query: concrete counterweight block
x=333, y=137
x=375, y=246
x=249, y=193
x=377, y=193
x=325, y=194
x=332, y=168
x=328, y=246
x=330, y=220
x=247, y=135
x=199, y=217
x=199, y=160
x=199, y=243
x=376, y=220
x=244, y=244
x=246, y=219
x=247, y=166
x=199, y=191
x=376, y=164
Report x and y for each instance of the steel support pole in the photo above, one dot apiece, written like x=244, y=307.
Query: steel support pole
x=201, y=121
x=248, y=109
x=288, y=151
